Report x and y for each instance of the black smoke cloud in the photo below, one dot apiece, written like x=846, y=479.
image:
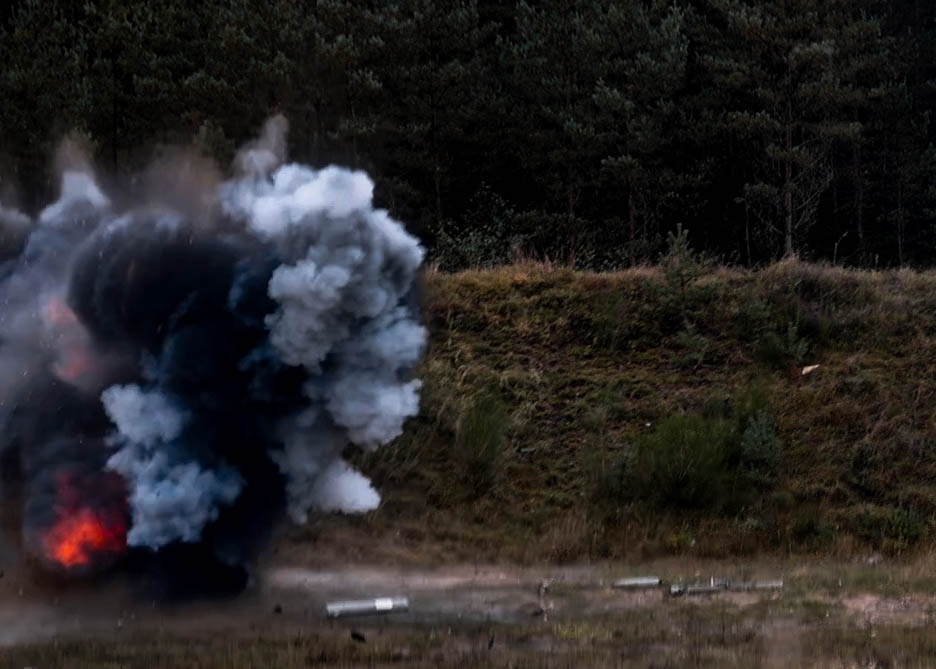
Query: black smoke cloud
x=178, y=372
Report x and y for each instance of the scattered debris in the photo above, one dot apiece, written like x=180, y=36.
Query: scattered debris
x=637, y=583
x=366, y=606
x=757, y=585
x=678, y=590
x=718, y=585
x=809, y=369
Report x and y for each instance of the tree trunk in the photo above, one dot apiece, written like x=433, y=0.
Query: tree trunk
x=900, y=224
x=859, y=197
x=437, y=182
x=631, y=224
x=788, y=182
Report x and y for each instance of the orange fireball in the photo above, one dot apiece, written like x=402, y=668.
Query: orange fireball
x=89, y=532
x=77, y=538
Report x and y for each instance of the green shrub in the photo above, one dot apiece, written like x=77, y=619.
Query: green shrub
x=905, y=528
x=695, y=347
x=605, y=476
x=760, y=449
x=607, y=326
x=709, y=461
x=681, y=264
x=684, y=463
x=784, y=350
x=479, y=438
x=809, y=529
x=486, y=237
x=891, y=528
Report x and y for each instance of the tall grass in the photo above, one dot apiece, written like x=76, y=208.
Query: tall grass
x=479, y=443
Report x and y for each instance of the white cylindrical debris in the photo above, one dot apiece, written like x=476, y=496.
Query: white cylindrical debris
x=637, y=582
x=757, y=585
x=359, y=607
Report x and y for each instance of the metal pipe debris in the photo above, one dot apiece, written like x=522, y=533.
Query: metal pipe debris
x=637, y=582
x=756, y=585
x=701, y=589
x=718, y=585
x=359, y=607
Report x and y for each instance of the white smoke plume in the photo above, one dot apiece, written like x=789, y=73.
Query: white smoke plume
x=339, y=299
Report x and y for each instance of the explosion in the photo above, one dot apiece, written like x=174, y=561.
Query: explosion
x=85, y=531
x=74, y=540
x=180, y=369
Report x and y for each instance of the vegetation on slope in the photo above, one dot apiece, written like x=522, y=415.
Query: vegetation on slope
x=571, y=416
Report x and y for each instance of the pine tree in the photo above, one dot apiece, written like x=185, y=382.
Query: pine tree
x=645, y=50
x=43, y=56
x=789, y=68
x=432, y=79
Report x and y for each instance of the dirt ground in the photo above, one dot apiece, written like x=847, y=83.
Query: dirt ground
x=545, y=605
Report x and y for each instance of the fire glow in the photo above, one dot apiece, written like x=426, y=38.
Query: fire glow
x=75, y=360
x=81, y=535
x=89, y=531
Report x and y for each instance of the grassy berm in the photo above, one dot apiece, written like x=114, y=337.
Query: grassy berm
x=674, y=409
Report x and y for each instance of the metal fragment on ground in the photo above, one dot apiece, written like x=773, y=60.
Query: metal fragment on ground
x=359, y=607
x=637, y=582
x=703, y=589
x=719, y=585
x=756, y=585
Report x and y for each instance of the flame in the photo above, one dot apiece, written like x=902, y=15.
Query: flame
x=77, y=538
x=90, y=528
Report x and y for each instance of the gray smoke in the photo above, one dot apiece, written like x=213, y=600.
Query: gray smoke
x=339, y=296
x=33, y=284
x=171, y=499
x=13, y=221
x=220, y=372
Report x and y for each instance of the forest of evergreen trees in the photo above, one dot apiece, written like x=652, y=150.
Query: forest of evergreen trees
x=574, y=130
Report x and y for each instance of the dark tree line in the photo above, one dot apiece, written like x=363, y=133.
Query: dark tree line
x=576, y=130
